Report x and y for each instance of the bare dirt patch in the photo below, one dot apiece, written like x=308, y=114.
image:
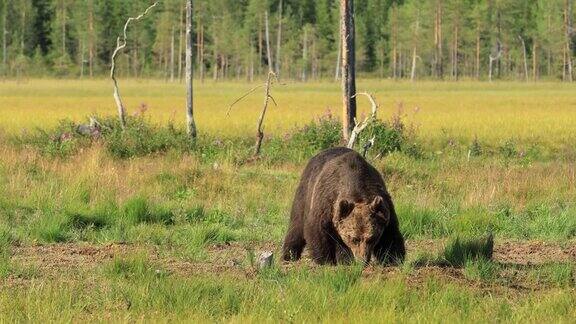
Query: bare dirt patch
x=58, y=260
x=534, y=252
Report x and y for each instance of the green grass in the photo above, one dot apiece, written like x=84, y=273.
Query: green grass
x=481, y=269
x=133, y=290
x=459, y=251
x=476, y=159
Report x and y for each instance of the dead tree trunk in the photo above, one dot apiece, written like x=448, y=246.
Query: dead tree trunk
x=91, y=37
x=338, y=60
x=81, y=58
x=304, y=55
x=525, y=57
x=455, y=52
x=535, y=60
x=172, y=54
x=494, y=58
x=438, y=62
x=568, y=72
x=181, y=23
x=394, y=41
x=259, y=131
x=121, y=43
x=279, y=41
x=63, y=29
x=4, y=42
x=268, y=51
x=191, y=126
x=347, y=33
x=415, y=49
x=477, y=67
x=202, y=53
x=267, y=97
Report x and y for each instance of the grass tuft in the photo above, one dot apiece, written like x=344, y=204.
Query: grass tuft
x=137, y=210
x=481, y=269
x=459, y=251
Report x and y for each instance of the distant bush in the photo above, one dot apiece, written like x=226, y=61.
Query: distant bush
x=323, y=133
x=393, y=135
x=141, y=138
x=60, y=141
x=387, y=139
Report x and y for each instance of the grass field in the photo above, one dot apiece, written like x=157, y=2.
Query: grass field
x=494, y=112
x=172, y=235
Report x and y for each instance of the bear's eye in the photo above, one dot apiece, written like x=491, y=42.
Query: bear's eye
x=356, y=241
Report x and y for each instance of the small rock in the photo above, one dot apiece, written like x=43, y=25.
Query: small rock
x=266, y=259
x=232, y=263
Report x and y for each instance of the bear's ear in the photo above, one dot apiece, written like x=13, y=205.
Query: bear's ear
x=380, y=210
x=377, y=203
x=344, y=208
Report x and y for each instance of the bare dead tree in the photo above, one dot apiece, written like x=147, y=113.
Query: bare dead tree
x=394, y=21
x=304, y=55
x=267, y=97
x=190, y=124
x=415, y=49
x=4, y=35
x=279, y=40
x=438, y=52
x=91, y=37
x=525, y=57
x=172, y=53
x=494, y=58
x=268, y=51
x=121, y=43
x=568, y=70
x=347, y=34
x=338, y=60
x=181, y=24
x=359, y=127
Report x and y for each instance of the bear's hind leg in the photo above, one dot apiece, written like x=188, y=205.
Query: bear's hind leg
x=294, y=243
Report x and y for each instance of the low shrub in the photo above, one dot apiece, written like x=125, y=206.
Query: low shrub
x=322, y=133
x=141, y=138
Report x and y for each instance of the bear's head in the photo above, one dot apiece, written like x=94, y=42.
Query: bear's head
x=360, y=225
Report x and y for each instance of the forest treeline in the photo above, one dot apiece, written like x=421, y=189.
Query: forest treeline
x=241, y=39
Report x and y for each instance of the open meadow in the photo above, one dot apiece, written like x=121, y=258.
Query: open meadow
x=145, y=226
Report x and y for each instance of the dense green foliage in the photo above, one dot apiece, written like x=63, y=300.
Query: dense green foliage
x=395, y=38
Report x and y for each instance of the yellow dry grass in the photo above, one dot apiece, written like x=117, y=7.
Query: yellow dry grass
x=499, y=111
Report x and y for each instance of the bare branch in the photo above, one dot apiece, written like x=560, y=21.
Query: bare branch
x=243, y=96
x=121, y=43
x=359, y=127
x=273, y=101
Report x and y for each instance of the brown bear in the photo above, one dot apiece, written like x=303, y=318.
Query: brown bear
x=343, y=212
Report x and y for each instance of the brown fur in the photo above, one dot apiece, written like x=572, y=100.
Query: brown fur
x=343, y=211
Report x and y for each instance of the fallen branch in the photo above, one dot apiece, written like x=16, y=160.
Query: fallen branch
x=359, y=127
x=121, y=43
